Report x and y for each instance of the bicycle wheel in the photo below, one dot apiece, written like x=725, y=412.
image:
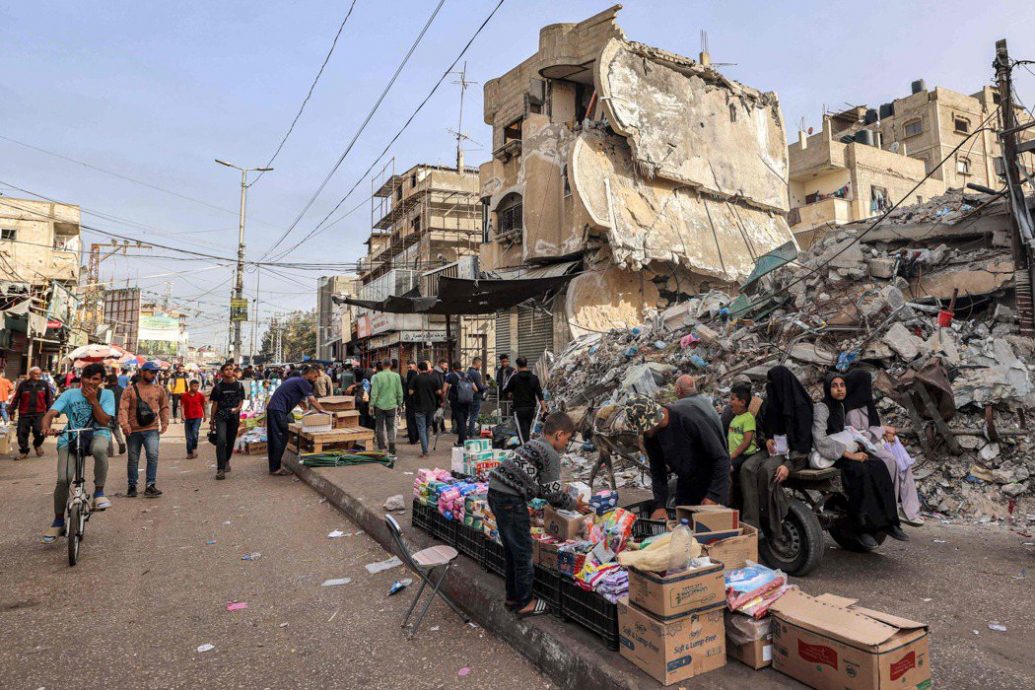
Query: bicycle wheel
x=75, y=532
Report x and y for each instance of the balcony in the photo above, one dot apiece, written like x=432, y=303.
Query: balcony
x=832, y=211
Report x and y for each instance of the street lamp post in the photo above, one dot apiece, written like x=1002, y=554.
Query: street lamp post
x=235, y=324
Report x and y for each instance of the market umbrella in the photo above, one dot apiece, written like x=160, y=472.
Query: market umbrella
x=91, y=353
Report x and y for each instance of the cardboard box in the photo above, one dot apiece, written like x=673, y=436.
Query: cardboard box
x=676, y=650
x=748, y=640
x=548, y=554
x=673, y=596
x=317, y=422
x=709, y=518
x=827, y=642
x=456, y=461
x=559, y=526
x=734, y=551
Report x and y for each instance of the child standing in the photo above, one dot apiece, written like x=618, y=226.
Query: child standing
x=193, y=404
x=532, y=471
x=741, y=435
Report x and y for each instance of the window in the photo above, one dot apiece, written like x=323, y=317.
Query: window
x=919, y=199
x=413, y=180
x=415, y=224
x=879, y=201
x=512, y=132
x=914, y=127
x=961, y=125
x=733, y=113
x=962, y=166
x=9, y=234
x=509, y=213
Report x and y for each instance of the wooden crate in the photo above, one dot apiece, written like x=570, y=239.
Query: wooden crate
x=255, y=448
x=346, y=419
x=318, y=442
x=337, y=403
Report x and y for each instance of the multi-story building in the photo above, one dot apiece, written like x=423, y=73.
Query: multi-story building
x=40, y=254
x=331, y=317
x=649, y=172
x=863, y=160
x=145, y=327
x=427, y=219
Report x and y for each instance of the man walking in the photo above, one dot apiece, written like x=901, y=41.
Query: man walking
x=116, y=432
x=6, y=390
x=144, y=417
x=227, y=398
x=426, y=396
x=460, y=392
x=474, y=373
x=386, y=397
x=525, y=392
x=193, y=402
x=278, y=414
x=32, y=399
x=439, y=372
x=411, y=409
x=323, y=385
x=177, y=387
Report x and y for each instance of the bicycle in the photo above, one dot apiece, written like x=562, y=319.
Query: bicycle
x=77, y=510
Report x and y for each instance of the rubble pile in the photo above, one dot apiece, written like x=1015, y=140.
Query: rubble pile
x=849, y=302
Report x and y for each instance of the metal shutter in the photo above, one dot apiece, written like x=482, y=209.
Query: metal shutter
x=503, y=335
x=535, y=335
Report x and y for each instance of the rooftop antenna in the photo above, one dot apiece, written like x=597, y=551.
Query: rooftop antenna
x=705, y=58
x=459, y=133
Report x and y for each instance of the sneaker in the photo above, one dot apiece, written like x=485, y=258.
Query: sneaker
x=122, y=448
x=152, y=491
x=132, y=492
x=220, y=474
x=101, y=502
x=56, y=529
x=391, y=449
x=39, y=451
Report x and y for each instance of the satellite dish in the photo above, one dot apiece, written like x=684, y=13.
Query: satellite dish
x=810, y=130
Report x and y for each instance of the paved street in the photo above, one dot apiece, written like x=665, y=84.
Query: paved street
x=149, y=590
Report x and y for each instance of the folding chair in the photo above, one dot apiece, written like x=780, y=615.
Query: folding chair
x=424, y=563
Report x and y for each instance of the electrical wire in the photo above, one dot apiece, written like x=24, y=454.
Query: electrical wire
x=402, y=129
x=355, y=137
x=308, y=95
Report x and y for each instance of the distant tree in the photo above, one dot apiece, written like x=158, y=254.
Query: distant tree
x=298, y=330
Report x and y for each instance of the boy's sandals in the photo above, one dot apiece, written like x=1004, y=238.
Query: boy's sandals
x=52, y=533
x=280, y=473
x=539, y=609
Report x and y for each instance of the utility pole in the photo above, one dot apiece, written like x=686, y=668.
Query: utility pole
x=459, y=133
x=255, y=319
x=1023, y=234
x=235, y=319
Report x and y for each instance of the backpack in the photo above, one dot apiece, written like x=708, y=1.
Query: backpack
x=145, y=415
x=465, y=389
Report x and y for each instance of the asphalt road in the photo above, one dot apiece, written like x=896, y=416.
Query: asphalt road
x=150, y=589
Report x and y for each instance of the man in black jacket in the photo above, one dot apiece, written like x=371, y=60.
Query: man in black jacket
x=411, y=408
x=525, y=392
x=32, y=398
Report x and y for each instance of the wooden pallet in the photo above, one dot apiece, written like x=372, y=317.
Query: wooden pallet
x=337, y=403
x=320, y=441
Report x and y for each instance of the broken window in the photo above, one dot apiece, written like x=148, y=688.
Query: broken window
x=415, y=223
x=914, y=127
x=486, y=220
x=8, y=234
x=961, y=125
x=509, y=215
x=512, y=132
x=399, y=193
x=733, y=112
x=583, y=95
x=962, y=166
x=879, y=201
x=919, y=199
x=413, y=181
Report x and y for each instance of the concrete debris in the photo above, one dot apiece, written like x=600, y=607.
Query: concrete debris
x=849, y=304
x=396, y=502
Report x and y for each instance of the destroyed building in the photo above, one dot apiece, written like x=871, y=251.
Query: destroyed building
x=865, y=159
x=650, y=173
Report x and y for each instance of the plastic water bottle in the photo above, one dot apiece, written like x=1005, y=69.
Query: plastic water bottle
x=679, y=548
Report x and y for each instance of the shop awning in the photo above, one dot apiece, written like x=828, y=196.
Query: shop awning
x=466, y=296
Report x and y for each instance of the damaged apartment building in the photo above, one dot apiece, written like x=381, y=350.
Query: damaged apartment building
x=648, y=174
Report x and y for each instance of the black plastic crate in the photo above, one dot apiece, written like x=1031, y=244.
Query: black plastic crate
x=547, y=586
x=442, y=529
x=420, y=518
x=470, y=542
x=591, y=611
x=645, y=527
x=492, y=557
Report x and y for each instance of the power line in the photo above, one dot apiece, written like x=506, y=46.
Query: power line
x=366, y=121
x=308, y=95
x=395, y=138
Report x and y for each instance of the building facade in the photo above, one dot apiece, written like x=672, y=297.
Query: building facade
x=864, y=160
x=332, y=319
x=426, y=222
x=40, y=256
x=595, y=170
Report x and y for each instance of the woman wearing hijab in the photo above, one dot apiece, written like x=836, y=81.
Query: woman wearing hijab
x=862, y=414
x=865, y=477
x=787, y=415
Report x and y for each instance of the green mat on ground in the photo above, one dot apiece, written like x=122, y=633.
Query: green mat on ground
x=345, y=459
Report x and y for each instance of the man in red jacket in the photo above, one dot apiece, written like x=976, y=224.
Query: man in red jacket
x=32, y=399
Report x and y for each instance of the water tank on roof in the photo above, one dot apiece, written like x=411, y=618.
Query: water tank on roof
x=918, y=86
x=865, y=136
x=887, y=110
x=871, y=116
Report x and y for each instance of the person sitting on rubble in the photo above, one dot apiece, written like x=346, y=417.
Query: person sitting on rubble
x=862, y=415
x=685, y=438
x=865, y=478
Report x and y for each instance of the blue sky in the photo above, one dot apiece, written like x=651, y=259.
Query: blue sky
x=156, y=91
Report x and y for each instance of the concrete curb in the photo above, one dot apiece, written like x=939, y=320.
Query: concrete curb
x=571, y=657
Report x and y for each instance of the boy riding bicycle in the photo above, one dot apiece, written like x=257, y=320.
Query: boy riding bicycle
x=88, y=406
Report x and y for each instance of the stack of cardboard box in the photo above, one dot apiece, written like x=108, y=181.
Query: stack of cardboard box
x=671, y=625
